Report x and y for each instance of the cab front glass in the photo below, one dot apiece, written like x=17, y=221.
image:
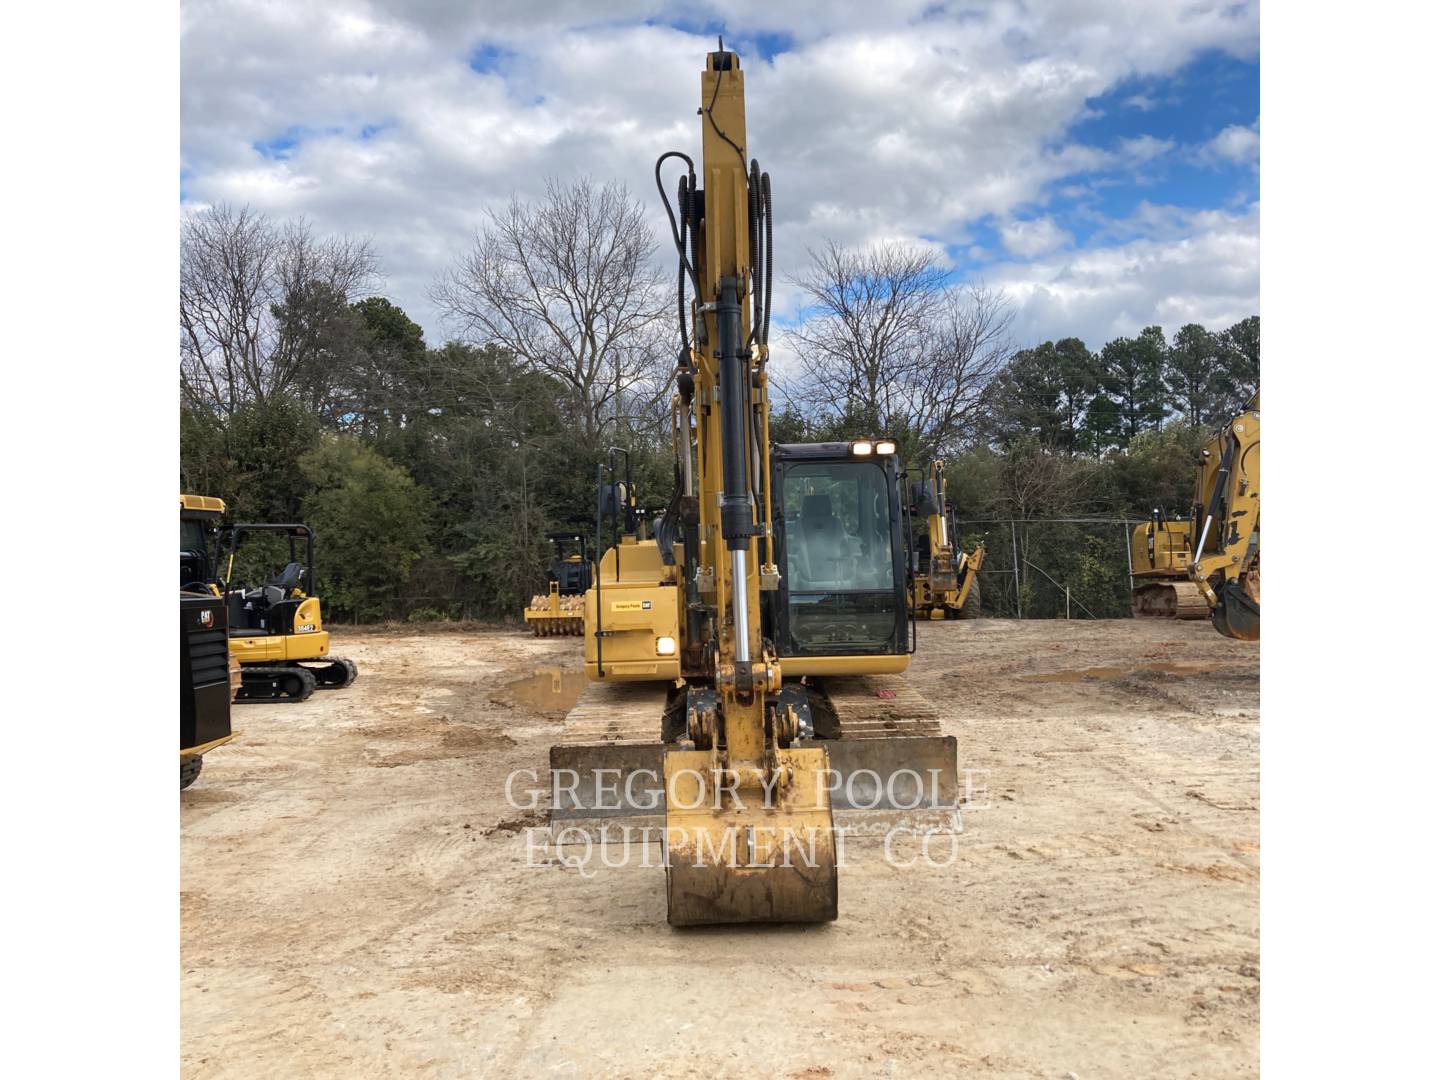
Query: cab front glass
x=839, y=558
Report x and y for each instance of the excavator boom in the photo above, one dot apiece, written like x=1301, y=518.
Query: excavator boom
x=1225, y=565
x=746, y=659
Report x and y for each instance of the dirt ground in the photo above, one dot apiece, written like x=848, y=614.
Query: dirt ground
x=356, y=899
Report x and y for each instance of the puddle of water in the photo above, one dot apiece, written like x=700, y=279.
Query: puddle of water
x=1104, y=673
x=548, y=689
x=1183, y=669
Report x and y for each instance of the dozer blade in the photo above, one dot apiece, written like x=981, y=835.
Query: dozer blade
x=748, y=855
x=873, y=784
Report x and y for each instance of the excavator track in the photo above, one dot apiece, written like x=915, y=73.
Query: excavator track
x=1168, y=600
x=870, y=707
x=331, y=672
x=616, y=714
x=274, y=684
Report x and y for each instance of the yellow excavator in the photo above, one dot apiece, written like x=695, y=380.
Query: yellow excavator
x=1225, y=558
x=945, y=587
x=276, y=631
x=1160, y=572
x=745, y=662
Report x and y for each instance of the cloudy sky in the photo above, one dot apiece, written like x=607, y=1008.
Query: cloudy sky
x=1096, y=160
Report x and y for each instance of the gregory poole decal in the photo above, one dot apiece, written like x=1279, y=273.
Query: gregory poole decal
x=630, y=605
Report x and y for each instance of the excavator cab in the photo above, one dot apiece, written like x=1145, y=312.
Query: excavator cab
x=841, y=546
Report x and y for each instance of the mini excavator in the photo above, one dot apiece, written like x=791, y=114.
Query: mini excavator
x=745, y=662
x=275, y=629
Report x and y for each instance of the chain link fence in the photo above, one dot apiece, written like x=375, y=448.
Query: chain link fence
x=1052, y=568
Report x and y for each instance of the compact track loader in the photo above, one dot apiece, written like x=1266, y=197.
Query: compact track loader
x=746, y=661
x=208, y=681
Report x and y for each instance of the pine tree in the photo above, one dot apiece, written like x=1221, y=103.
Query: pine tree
x=1192, y=374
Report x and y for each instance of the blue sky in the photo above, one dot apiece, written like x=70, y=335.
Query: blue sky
x=1099, y=162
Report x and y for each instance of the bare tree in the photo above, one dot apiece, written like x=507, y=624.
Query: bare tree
x=567, y=284
x=888, y=345
x=264, y=308
x=1036, y=482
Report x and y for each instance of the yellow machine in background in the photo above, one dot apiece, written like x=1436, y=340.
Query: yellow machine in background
x=1225, y=564
x=276, y=631
x=1209, y=565
x=561, y=610
x=946, y=587
x=745, y=660
x=1160, y=572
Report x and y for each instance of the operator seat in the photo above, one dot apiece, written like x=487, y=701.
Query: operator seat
x=824, y=549
x=289, y=579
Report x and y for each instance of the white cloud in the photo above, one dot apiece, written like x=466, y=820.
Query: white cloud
x=1237, y=144
x=908, y=120
x=1038, y=236
x=1144, y=148
x=1176, y=267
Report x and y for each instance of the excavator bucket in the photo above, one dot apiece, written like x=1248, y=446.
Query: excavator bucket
x=747, y=854
x=1238, y=613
